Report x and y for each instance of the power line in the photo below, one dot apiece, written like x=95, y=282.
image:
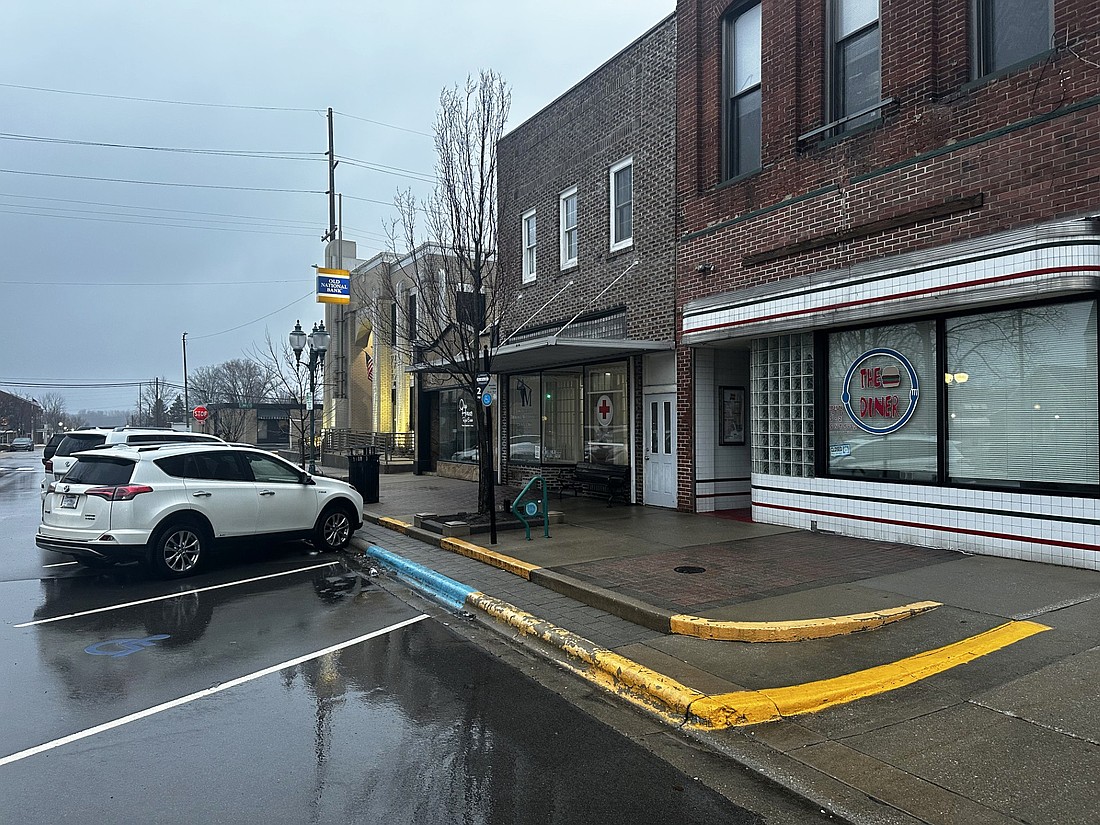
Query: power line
x=377, y=123
x=250, y=323
x=161, y=100
x=317, y=111
x=42, y=282
x=154, y=223
x=232, y=220
x=240, y=153
x=299, y=224
x=164, y=183
x=389, y=170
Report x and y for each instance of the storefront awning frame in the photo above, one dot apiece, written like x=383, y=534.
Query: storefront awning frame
x=552, y=351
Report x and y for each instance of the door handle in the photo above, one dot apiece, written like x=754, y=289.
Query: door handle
x=267, y=492
x=201, y=494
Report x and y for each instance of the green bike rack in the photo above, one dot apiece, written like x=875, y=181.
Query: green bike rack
x=531, y=509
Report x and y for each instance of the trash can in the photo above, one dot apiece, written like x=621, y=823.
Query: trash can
x=363, y=473
x=355, y=469
x=369, y=488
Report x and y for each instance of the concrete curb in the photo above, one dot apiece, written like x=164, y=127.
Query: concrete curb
x=682, y=705
x=655, y=618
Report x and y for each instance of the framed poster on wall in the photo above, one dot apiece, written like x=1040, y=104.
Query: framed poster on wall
x=731, y=416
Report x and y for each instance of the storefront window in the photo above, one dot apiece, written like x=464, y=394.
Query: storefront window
x=571, y=415
x=882, y=402
x=607, y=415
x=561, y=410
x=525, y=417
x=457, y=426
x=1022, y=396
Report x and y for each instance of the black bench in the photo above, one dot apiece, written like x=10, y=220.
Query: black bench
x=606, y=478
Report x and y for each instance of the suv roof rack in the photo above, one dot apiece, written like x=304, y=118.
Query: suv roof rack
x=125, y=427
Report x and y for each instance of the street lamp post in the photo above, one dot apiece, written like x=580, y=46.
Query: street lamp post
x=318, y=346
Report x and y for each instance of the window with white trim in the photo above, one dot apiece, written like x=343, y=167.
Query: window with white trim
x=567, y=221
x=622, y=204
x=1009, y=32
x=742, y=90
x=529, y=246
x=855, y=61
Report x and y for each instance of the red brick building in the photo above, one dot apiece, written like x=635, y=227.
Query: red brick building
x=887, y=269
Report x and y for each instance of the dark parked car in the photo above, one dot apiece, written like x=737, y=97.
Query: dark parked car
x=51, y=446
x=25, y=444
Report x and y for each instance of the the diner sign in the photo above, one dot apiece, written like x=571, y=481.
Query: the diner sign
x=881, y=391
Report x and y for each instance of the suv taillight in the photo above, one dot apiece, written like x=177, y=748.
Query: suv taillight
x=124, y=493
x=49, y=466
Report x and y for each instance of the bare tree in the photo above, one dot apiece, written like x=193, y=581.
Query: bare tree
x=290, y=384
x=232, y=389
x=444, y=284
x=53, y=410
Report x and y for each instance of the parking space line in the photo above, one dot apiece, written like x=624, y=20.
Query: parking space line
x=174, y=595
x=210, y=691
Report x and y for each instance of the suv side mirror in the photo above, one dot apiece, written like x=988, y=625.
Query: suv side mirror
x=305, y=478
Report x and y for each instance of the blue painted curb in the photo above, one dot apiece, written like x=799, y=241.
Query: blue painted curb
x=444, y=590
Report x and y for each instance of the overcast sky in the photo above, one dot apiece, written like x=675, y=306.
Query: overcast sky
x=101, y=277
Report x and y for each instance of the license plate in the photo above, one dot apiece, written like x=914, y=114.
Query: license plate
x=68, y=501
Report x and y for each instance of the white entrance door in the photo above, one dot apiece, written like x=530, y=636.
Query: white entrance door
x=660, y=449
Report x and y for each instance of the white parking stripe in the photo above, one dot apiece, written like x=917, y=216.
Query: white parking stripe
x=174, y=595
x=210, y=691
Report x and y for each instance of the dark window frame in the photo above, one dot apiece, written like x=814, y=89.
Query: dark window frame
x=983, y=61
x=732, y=140
x=839, y=119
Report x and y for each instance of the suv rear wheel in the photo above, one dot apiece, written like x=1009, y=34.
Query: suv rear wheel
x=179, y=549
x=333, y=530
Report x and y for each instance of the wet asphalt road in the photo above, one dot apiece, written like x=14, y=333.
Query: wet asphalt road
x=281, y=686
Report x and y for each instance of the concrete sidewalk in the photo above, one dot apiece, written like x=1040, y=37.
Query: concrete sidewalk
x=915, y=685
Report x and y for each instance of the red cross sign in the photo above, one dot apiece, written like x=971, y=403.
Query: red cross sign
x=605, y=410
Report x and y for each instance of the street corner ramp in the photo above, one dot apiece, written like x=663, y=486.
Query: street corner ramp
x=750, y=707
x=794, y=630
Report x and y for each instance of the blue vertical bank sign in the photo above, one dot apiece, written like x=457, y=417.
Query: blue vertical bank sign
x=333, y=286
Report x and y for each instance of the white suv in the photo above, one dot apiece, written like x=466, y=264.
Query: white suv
x=171, y=504
x=90, y=437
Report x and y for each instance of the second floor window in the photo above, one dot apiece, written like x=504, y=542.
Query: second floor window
x=622, y=204
x=568, y=222
x=529, y=246
x=1007, y=32
x=855, y=64
x=742, y=91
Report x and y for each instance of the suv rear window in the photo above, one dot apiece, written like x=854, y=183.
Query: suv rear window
x=101, y=470
x=74, y=443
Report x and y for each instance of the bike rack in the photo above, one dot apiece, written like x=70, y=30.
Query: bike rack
x=532, y=508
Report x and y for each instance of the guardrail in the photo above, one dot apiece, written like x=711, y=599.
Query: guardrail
x=387, y=445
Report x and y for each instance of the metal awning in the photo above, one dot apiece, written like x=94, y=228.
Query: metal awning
x=555, y=351
x=271, y=415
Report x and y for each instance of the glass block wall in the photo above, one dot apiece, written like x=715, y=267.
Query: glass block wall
x=783, y=405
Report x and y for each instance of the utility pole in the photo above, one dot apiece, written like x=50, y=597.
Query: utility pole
x=186, y=403
x=331, y=235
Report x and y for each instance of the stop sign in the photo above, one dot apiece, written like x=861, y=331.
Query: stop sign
x=201, y=413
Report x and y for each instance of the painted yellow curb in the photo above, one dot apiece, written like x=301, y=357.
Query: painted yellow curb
x=475, y=551
x=394, y=524
x=795, y=630
x=677, y=702
x=638, y=684
x=752, y=707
